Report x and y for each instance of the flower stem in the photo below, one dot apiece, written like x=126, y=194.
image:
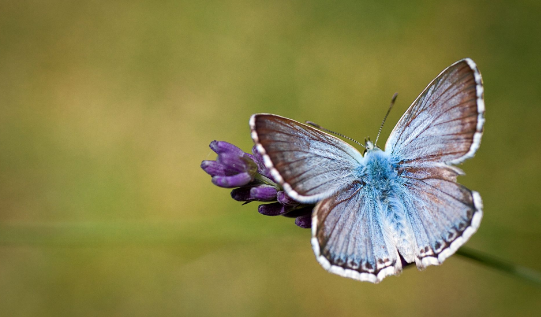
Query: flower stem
x=264, y=179
x=517, y=271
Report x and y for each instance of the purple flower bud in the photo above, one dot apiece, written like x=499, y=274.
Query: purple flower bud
x=304, y=221
x=241, y=193
x=263, y=193
x=252, y=181
x=284, y=199
x=232, y=181
x=236, y=164
x=232, y=168
x=225, y=147
x=213, y=168
x=274, y=209
x=258, y=159
x=258, y=192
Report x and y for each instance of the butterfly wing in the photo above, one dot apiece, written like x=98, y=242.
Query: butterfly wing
x=442, y=213
x=350, y=238
x=350, y=235
x=445, y=123
x=309, y=164
x=443, y=127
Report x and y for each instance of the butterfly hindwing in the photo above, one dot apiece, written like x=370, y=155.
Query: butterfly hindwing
x=442, y=213
x=309, y=164
x=351, y=238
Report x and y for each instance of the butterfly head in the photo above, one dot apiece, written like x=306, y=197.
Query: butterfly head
x=369, y=146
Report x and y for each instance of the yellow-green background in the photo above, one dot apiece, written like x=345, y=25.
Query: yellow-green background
x=107, y=109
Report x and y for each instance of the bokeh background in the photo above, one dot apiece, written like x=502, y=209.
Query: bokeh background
x=108, y=107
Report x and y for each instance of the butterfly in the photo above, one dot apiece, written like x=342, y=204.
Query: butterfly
x=400, y=204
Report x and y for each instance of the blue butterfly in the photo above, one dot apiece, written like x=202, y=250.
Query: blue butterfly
x=399, y=204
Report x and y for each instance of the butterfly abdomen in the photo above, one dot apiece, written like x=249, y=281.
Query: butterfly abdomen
x=386, y=187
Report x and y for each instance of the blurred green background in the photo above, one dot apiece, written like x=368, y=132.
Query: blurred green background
x=108, y=107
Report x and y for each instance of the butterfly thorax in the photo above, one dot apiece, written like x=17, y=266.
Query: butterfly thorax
x=377, y=170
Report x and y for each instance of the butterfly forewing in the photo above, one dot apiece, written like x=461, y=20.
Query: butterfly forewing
x=308, y=163
x=445, y=123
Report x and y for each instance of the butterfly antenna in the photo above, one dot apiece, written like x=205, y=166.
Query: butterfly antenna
x=327, y=130
x=387, y=114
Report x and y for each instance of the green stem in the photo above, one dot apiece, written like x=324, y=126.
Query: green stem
x=264, y=179
x=517, y=271
x=218, y=232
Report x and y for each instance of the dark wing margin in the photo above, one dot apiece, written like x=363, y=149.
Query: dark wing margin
x=309, y=164
x=445, y=123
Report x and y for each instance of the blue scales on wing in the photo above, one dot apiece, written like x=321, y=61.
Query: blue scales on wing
x=442, y=128
x=445, y=123
x=351, y=238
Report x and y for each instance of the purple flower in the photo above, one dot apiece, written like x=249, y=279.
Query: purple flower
x=258, y=159
x=252, y=181
x=304, y=221
x=232, y=168
x=259, y=192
